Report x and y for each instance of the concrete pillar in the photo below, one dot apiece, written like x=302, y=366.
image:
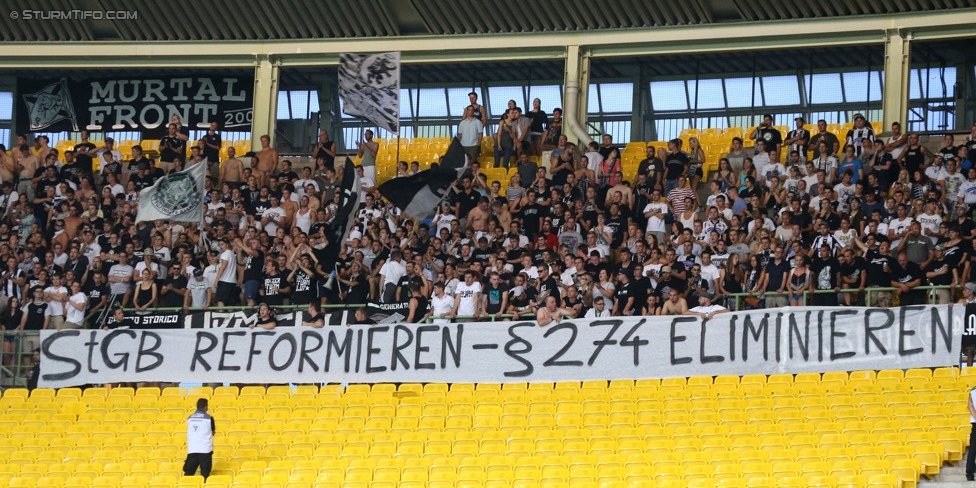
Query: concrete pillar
x=265, y=100
x=897, y=65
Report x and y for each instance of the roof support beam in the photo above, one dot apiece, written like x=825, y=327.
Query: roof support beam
x=629, y=42
x=897, y=65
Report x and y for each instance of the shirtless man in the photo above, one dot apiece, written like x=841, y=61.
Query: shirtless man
x=265, y=161
x=27, y=165
x=478, y=218
x=7, y=165
x=290, y=206
x=72, y=224
x=550, y=313
x=231, y=171
x=45, y=148
x=675, y=304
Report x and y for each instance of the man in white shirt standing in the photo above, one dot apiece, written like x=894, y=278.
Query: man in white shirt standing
x=273, y=217
x=76, y=304
x=467, y=296
x=441, y=304
x=656, y=211
x=55, y=296
x=391, y=272
x=226, y=275
x=470, y=130
x=200, y=429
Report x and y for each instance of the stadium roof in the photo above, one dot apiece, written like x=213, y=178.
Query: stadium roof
x=208, y=20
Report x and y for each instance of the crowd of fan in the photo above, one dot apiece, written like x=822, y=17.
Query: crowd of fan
x=823, y=224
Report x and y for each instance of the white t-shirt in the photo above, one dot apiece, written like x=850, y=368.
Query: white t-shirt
x=468, y=294
x=441, y=305
x=230, y=272
x=593, y=160
x=74, y=315
x=56, y=306
x=392, y=271
x=273, y=213
x=709, y=309
x=899, y=226
x=711, y=274
x=930, y=223
x=656, y=224
x=210, y=272
x=845, y=239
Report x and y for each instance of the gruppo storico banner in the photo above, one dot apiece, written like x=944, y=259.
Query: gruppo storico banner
x=788, y=340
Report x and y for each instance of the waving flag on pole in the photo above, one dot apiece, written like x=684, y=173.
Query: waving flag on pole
x=369, y=86
x=344, y=219
x=177, y=197
x=419, y=195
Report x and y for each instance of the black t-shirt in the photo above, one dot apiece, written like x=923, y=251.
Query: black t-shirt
x=853, y=270
x=84, y=161
x=772, y=137
x=531, y=214
x=936, y=266
x=304, y=290
x=254, y=267
x=176, y=149
x=320, y=153
x=272, y=289
x=141, y=182
x=358, y=293
x=95, y=293
x=171, y=298
x=35, y=316
x=494, y=296
x=905, y=275
x=617, y=227
x=823, y=272
x=212, y=155
x=466, y=202
x=877, y=276
x=550, y=286
x=652, y=167
x=775, y=273
x=624, y=293
x=675, y=165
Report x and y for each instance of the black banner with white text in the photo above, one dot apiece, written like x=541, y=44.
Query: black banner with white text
x=144, y=104
x=787, y=340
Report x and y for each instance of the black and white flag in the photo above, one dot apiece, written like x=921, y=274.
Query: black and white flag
x=344, y=219
x=369, y=85
x=50, y=105
x=419, y=195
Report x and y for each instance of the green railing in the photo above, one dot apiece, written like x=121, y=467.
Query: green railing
x=931, y=289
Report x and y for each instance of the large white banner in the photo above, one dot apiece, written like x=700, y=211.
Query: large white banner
x=788, y=340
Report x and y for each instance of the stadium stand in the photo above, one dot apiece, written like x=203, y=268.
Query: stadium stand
x=869, y=429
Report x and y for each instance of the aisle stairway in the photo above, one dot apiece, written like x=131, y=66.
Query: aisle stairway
x=883, y=429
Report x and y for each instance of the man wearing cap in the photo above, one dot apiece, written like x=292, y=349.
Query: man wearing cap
x=623, y=303
x=798, y=139
x=940, y=273
x=199, y=291
x=766, y=132
x=860, y=132
x=706, y=309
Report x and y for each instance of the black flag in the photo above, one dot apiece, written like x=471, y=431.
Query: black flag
x=344, y=220
x=418, y=195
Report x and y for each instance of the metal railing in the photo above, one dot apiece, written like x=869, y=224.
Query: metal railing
x=931, y=289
